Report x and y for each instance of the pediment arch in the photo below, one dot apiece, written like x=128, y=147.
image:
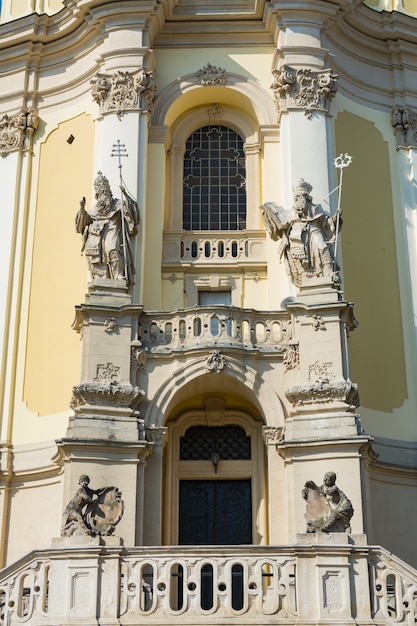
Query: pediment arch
x=239, y=93
x=239, y=384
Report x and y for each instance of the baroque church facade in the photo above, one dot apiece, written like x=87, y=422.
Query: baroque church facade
x=207, y=309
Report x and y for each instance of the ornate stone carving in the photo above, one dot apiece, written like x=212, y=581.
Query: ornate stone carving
x=107, y=374
x=273, y=434
x=327, y=509
x=140, y=357
x=324, y=392
x=404, y=123
x=111, y=394
x=16, y=131
x=215, y=362
x=106, y=233
x=291, y=357
x=212, y=75
x=124, y=91
x=306, y=236
x=156, y=434
x=310, y=90
x=92, y=511
x=215, y=113
x=319, y=372
x=110, y=325
x=318, y=322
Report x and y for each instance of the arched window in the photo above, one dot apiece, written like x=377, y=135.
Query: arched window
x=214, y=191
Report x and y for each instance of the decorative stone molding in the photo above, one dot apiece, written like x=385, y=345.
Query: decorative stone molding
x=215, y=362
x=310, y=90
x=291, y=357
x=324, y=392
x=212, y=75
x=16, y=131
x=273, y=434
x=116, y=395
x=404, y=123
x=110, y=325
x=140, y=358
x=156, y=434
x=321, y=372
x=124, y=91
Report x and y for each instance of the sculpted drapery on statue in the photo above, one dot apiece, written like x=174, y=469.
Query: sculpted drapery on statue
x=107, y=231
x=306, y=235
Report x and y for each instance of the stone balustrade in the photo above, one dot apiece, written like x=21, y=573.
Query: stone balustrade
x=323, y=579
x=220, y=325
x=183, y=247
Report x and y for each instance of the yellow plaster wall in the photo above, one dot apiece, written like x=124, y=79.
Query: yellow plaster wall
x=255, y=63
x=59, y=273
x=370, y=266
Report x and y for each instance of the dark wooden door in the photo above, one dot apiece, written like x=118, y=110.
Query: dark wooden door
x=215, y=512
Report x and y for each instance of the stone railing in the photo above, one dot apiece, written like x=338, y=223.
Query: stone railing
x=219, y=325
x=182, y=247
x=337, y=581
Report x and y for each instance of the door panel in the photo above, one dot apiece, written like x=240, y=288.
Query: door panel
x=215, y=512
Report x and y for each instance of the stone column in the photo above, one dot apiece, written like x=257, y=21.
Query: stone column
x=304, y=85
x=153, y=490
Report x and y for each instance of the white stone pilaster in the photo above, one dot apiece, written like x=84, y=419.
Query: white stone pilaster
x=15, y=166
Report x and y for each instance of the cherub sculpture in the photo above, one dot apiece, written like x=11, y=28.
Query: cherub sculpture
x=107, y=231
x=92, y=511
x=306, y=235
x=328, y=509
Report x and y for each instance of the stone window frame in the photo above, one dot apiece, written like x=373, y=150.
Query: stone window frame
x=180, y=132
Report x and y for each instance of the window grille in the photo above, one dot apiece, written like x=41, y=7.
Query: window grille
x=230, y=442
x=214, y=195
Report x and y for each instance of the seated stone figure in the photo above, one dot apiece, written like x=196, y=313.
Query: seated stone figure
x=328, y=508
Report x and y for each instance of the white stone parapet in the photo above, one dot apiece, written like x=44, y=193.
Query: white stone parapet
x=184, y=247
x=324, y=578
x=200, y=326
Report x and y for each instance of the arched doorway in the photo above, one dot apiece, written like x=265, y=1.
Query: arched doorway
x=214, y=477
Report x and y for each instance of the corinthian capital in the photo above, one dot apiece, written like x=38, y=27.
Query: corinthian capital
x=304, y=88
x=16, y=131
x=124, y=91
x=404, y=123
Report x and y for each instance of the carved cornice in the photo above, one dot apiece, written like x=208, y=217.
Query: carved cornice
x=16, y=131
x=101, y=394
x=404, y=123
x=124, y=91
x=324, y=392
x=307, y=89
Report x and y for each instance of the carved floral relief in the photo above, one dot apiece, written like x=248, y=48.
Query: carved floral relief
x=124, y=91
x=310, y=90
x=404, y=123
x=16, y=131
x=212, y=75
